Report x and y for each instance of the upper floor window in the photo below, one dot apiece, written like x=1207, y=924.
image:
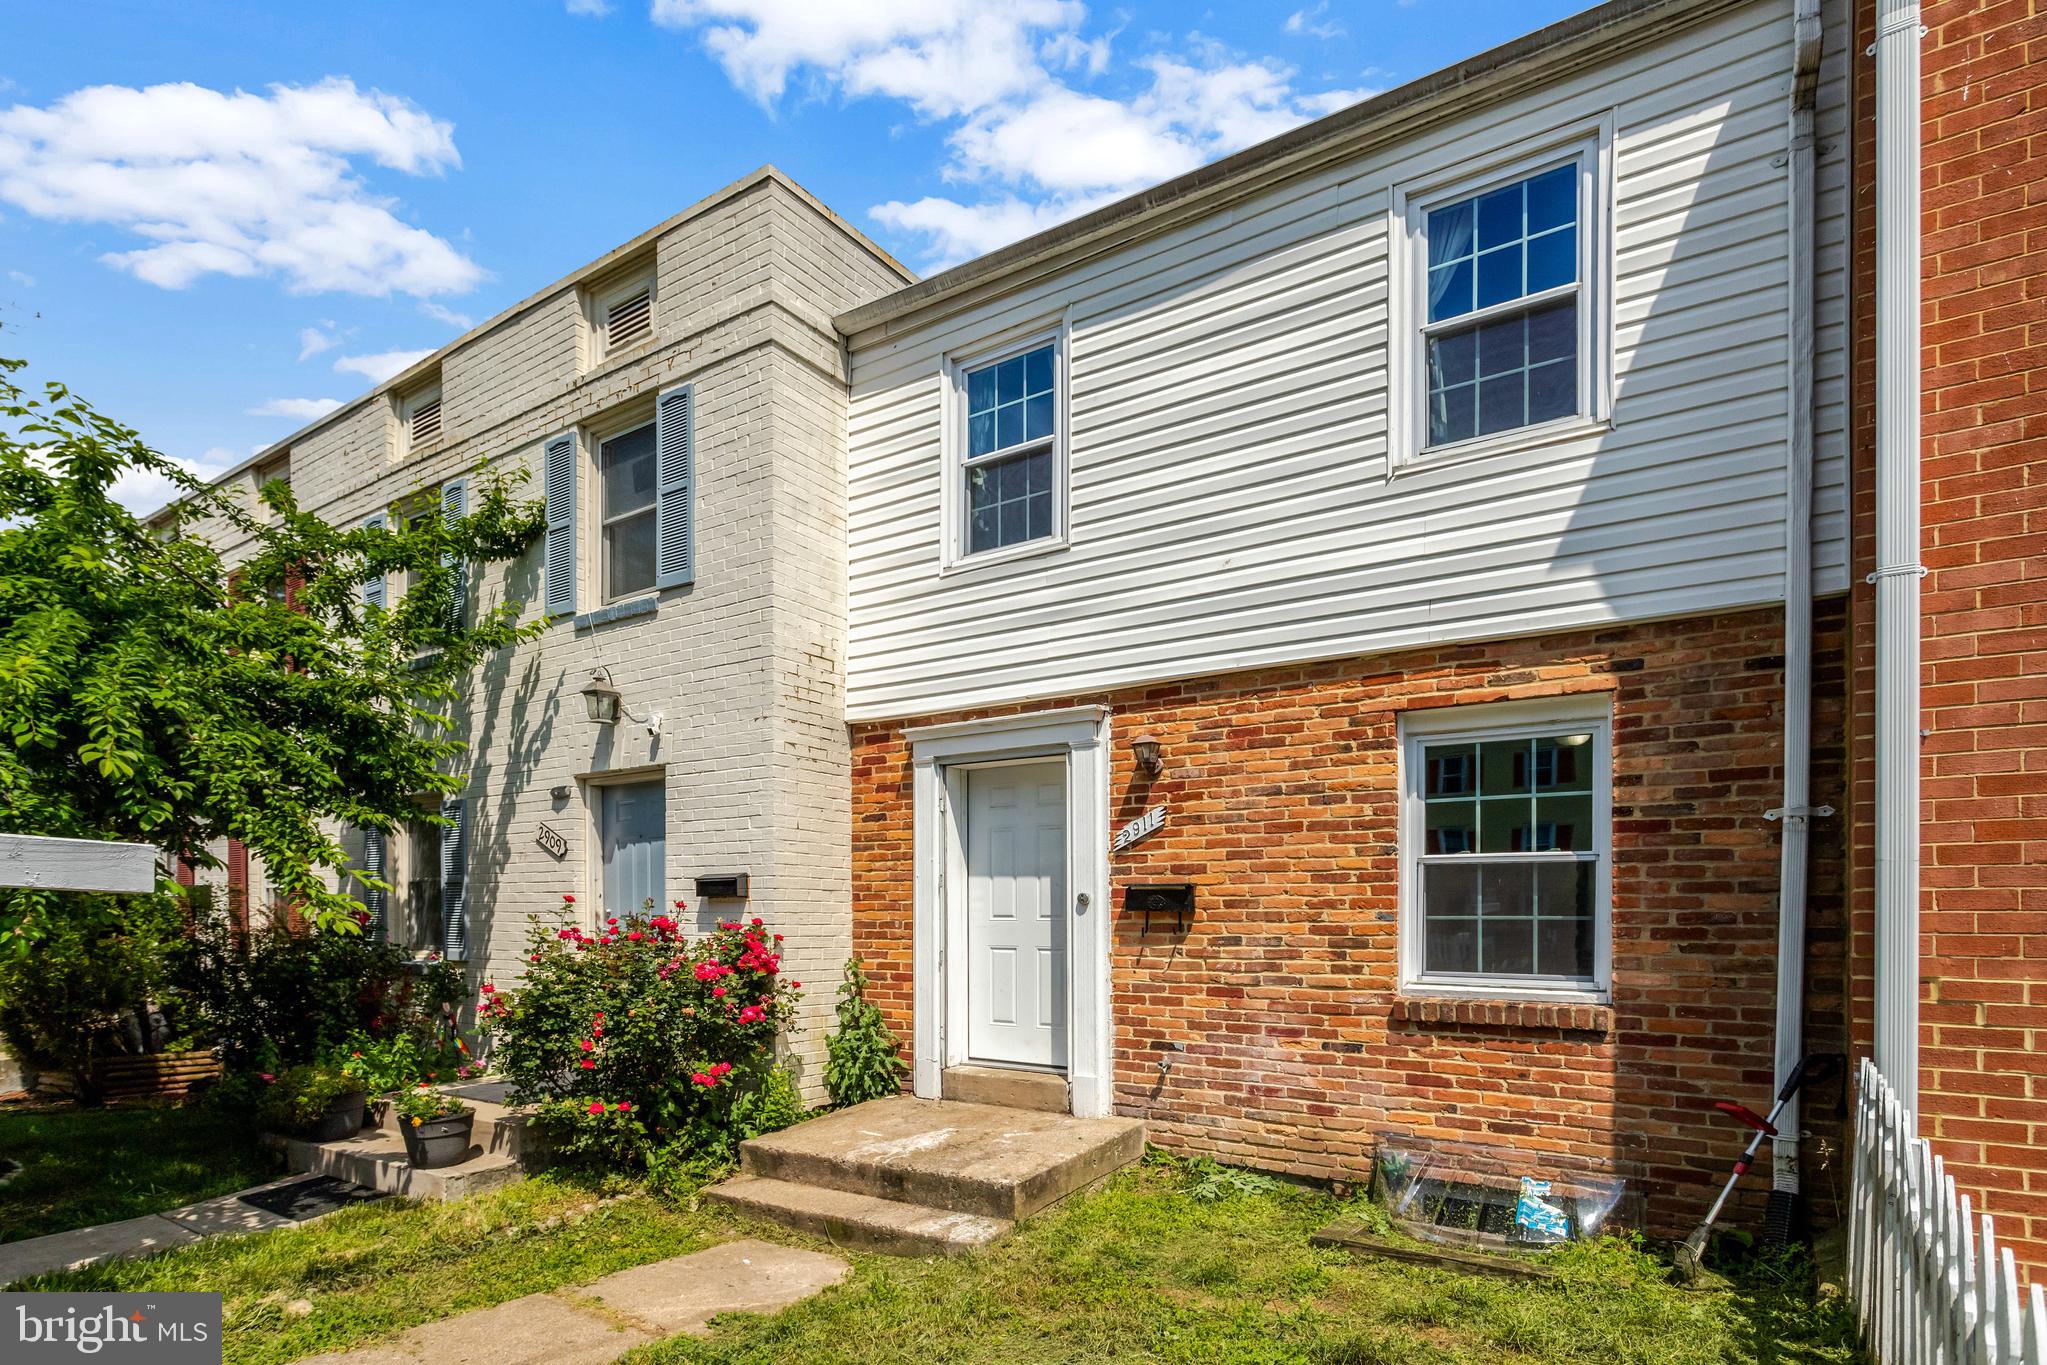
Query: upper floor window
x=1505, y=851
x=1507, y=333
x=1010, y=468
x=628, y=476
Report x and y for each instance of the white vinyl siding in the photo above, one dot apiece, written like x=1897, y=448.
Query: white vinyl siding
x=1232, y=497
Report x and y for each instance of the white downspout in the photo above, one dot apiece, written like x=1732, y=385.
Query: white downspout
x=1796, y=812
x=1897, y=547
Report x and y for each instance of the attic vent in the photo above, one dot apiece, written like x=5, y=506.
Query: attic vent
x=426, y=420
x=629, y=319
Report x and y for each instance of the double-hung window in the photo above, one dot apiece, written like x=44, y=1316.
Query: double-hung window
x=629, y=478
x=1010, y=465
x=1505, y=852
x=1507, y=300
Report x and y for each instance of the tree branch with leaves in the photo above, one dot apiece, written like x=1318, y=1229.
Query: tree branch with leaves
x=150, y=692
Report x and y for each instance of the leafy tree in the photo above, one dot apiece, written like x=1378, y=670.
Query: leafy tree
x=151, y=692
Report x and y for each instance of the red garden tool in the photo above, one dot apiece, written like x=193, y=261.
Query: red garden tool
x=1693, y=1250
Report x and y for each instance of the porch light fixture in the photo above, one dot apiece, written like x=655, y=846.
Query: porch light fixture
x=1145, y=748
x=604, y=704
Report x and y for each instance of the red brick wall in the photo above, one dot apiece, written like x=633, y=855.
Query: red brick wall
x=1983, y=1081
x=1281, y=791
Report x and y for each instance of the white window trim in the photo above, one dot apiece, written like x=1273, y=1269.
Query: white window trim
x=953, y=415
x=593, y=436
x=1583, y=712
x=601, y=303
x=1407, y=293
x=939, y=961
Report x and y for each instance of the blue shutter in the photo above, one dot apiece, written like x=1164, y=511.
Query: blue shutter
x=454, y=880
x=373, y=588
x=675, y=556
x=558, y=553
x=454, y=500
x=376, y=900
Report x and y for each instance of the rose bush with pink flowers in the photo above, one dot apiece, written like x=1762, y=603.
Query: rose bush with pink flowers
x=638, y=1038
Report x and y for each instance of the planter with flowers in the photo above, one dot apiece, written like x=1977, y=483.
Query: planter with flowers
x=435, y=1126
x=314, y=1102
x=639, y=1039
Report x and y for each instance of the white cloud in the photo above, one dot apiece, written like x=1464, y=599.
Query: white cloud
x=1309, y=23
x=301, y=409
x=959, y=231
x=313, y=340
x=239, y=184
x=461, y=322
x=381, y=365
x=22, y=278
x=144, y=491
x=590, y=9
x=1019, y=83
x=945, y=57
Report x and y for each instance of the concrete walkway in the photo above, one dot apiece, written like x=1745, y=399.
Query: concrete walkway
x=224, y=1215
x=599, y=1322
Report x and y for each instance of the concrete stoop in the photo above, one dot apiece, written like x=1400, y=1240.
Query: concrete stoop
x=375, y=1157
x=914, y=1177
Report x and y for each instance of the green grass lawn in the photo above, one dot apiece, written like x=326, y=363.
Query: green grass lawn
x=86, y=1166
x=1134, y=1269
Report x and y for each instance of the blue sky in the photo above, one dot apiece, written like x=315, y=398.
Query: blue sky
x=216, y=218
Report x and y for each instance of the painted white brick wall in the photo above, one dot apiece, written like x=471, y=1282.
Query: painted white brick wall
x=746, y=665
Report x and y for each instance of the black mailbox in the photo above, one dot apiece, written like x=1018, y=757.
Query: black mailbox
x=730, y=886
x=1161, y=898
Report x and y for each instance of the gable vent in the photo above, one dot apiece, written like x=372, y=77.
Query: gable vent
x=629, y=319
x=426, y=421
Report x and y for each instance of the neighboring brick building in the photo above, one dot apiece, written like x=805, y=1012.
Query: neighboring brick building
x=740, y=647
x=1983, y=1010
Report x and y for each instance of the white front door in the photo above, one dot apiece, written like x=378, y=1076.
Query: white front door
x=1015, y=845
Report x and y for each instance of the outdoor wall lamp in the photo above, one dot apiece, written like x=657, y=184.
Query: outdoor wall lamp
x=1145, y=748
x=605, y=705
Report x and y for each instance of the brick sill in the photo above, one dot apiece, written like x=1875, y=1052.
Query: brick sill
x=1512, y=1014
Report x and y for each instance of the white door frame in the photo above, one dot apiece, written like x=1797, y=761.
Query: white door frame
x=1080, y=735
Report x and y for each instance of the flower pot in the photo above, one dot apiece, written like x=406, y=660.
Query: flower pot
x=342, y=1119
x=437, y=1142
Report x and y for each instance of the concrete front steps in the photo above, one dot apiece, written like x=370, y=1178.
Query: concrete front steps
x=912, y=1177
x=375, y=1157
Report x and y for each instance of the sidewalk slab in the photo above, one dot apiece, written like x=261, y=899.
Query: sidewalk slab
x=684, y=1293
x=81, y=1247
x=536, y=1330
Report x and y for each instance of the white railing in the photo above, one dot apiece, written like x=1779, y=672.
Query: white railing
x=1930, y=1284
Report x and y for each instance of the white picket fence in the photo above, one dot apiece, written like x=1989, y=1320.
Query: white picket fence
x=1930, y=1284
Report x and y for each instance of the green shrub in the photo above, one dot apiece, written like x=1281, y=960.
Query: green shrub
x=401, y=1061
x=297, y=992
x=637, y=1038
x=299, y=1096
x=863, y=1059
x=88, y=987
